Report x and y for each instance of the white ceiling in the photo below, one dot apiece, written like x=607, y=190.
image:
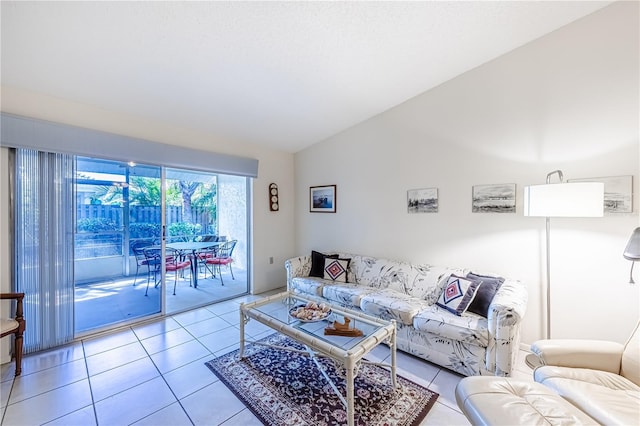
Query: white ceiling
x=282, y=74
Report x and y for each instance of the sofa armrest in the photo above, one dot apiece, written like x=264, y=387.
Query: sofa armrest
x=297, y=267
x=593, y=354
x=504, y=318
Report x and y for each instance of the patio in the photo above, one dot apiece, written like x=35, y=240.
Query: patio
x=110, y=301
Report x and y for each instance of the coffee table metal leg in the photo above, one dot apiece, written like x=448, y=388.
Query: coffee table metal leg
x=392, y=348
x=242, y=321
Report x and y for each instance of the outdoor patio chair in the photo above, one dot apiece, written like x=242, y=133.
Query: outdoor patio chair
x=153, y=260
x=14, y=326
x=223, y=256
x=141, y=260
x=172, y=262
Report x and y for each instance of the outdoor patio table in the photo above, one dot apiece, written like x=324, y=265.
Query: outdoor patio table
x=193, y=247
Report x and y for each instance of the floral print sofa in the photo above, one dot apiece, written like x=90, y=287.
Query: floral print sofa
x=468, y=344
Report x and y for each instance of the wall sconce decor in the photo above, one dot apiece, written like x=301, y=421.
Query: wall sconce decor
x=274, y=203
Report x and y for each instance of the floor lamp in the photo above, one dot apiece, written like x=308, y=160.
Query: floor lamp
x=575, y=199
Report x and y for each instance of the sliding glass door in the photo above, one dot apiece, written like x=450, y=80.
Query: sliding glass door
x=103, y=243
x=118, y=215
x=120, y=271
x=82, y=223
x=206, y=223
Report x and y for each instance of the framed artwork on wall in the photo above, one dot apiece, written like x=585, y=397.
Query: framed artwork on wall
x=498, y=198
x=423, y=200
x=618, y=192
x=322, y=199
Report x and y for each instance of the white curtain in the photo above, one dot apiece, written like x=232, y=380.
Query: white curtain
x=43, y=205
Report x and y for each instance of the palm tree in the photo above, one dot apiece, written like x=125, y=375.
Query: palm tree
x=187, y=189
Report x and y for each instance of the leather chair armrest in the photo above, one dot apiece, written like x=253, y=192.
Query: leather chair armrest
x=577, y=353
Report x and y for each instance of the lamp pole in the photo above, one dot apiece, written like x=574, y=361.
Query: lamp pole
x=548, y=237
x=532, y=360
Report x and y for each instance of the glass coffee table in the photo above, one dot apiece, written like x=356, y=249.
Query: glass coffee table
x=347, y=352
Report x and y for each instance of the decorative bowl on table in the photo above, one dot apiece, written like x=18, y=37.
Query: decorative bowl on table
x=310, y=312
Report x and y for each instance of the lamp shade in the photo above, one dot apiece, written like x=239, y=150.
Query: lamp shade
x=575, y=199
x=632, y=252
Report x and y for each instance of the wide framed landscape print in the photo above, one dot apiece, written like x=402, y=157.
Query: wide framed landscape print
x=423, y=200
x=322, y=199
x=499, y=198
x=618, y=192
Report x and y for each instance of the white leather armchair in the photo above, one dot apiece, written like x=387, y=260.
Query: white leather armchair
x=600, y=378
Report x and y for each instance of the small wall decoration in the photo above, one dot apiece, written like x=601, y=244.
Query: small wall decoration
x=322, y=199
x=274, y=203
x=499, y=198
x=423, y=200
x=618, y=192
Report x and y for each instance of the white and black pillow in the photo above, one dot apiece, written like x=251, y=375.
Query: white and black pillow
x=336, y=269
x=458, y=294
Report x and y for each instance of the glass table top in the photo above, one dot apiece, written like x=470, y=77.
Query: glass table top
x=278, y=308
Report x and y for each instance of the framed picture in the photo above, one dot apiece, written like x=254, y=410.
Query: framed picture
x=618, y=192
x=322, y=199
x=422, y=200
x=500, y=198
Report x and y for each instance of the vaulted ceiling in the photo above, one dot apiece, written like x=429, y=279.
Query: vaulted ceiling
x=281, y=74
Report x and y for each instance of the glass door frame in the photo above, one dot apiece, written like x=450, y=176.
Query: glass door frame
x=126, y=257
x=164, y=238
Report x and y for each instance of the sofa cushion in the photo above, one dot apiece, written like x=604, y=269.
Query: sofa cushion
x=470, y=328
x=490, y=285
x=607, y=397
x=336, y=269
x=307, y=285
x=317, y=263
x=417, y=280
x=458, y=294
x=346, y=294
x=390, y=304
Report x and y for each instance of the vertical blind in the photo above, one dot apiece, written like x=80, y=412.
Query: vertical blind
x=44, y=245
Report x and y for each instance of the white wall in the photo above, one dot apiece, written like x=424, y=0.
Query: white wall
x=567, y=101
x=272, y=231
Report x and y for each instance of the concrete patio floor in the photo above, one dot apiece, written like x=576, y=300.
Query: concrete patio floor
x=115, y=300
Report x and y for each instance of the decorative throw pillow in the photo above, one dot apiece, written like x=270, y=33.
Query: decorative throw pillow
x=317, y=263
x=336, y=269
x=458, y=294
x=484, y=296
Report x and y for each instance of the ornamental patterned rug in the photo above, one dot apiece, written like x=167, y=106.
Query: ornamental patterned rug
x=285, y=388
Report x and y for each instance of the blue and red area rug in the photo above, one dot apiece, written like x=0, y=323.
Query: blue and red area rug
x=285, y=388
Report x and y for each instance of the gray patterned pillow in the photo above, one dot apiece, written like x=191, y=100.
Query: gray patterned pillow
x=484, y=296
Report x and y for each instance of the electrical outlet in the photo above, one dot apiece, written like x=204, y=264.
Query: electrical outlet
x=271, y=260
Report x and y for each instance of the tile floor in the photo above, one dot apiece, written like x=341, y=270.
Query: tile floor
x=113, y=300
x=154, y=374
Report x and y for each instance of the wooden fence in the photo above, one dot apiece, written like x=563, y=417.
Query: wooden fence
x=141, y=214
